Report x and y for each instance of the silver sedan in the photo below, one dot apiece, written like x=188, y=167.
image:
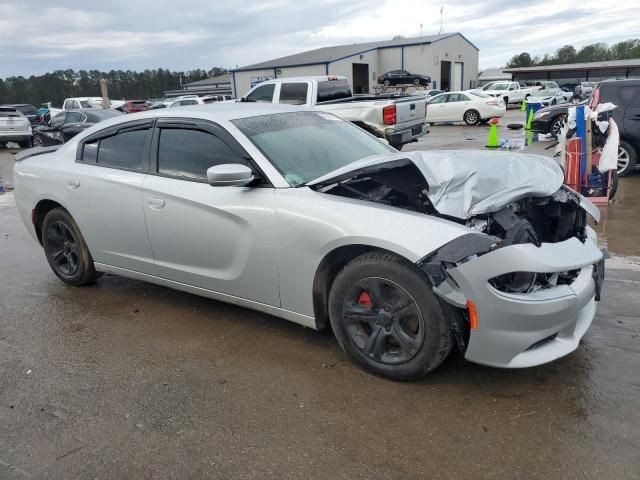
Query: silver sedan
x=304, y=216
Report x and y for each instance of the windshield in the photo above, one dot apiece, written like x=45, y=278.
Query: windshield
x=306, y=145
x=497, y=86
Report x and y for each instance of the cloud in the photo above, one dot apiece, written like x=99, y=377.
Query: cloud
x=37, y=36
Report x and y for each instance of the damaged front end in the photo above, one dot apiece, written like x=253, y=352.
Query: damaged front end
x=529, y=269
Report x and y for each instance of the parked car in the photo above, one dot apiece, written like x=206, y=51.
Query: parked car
x=76, y=103
x=510, y=92
x=66, y=125
x=217, y=98
x=398, y=118
x=299, y=214
x=185, y=101
x=548, y=94
x=27, y=110
x=14, y=127
x=162, y=103
x=402, y=77
x=464, y=106
x=133, y=106
x=583, y=89
x=625, y=94
x=549, y=120
x=426, y=93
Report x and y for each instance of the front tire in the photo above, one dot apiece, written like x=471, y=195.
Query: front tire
x=471, y=117
x=387, y=319
x=416, y=82
x=66, y=250
x=556, y=126
x=627, y=159
x=38, y=141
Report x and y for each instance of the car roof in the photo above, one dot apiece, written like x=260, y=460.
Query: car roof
x=215, y=112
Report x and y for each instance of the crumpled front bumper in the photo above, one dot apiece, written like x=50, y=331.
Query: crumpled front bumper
x=523, y=330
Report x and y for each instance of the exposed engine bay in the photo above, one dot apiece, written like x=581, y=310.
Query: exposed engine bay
x=529, y=218
x=534, y=220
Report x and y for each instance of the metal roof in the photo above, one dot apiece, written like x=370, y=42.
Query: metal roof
x=331, y=54
x=634, y=62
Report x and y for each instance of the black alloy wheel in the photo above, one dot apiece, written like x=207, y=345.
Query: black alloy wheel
x=38, y=141
x=66, y=250
x=383, y=320
x=63, y=249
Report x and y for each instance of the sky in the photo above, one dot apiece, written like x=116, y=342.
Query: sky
x=38, y=36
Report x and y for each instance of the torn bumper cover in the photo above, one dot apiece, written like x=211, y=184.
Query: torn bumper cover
x=522, y=329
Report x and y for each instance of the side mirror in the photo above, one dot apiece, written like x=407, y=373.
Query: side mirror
x=229, y=175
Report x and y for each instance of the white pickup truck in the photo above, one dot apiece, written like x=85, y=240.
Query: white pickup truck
x=510, y=92
x=400, y=119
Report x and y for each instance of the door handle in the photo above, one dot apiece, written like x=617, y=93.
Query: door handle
x=73, y=183
x=155, y=203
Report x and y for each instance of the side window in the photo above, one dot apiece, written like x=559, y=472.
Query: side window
x=456, y=97
x=626, y=94
x=68, y=105
x=123, y=150
x=262, y=94
x=189, y=102
x=90, y=152
x=293, y=93
x=74, y=117
x=58, y=119
x=189, y=153
x=439, y=99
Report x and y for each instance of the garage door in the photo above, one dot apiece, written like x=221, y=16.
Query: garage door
x=457, y=76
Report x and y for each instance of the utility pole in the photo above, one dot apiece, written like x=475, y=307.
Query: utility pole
x=441, y=10
x=104, y=91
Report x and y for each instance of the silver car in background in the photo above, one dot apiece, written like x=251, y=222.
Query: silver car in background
x=304, y=216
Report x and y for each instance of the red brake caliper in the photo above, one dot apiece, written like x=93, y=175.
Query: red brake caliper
x=365, y=300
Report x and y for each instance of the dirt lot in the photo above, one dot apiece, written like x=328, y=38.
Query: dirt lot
x=129, y=380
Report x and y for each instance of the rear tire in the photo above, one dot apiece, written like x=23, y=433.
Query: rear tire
x=25, y=143
x=627, y=159
x=66, y=250
x=471, y=117
x=386, y=83
x=614, y=184
x=402, y=333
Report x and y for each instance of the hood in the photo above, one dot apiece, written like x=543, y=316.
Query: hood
x=464, y=183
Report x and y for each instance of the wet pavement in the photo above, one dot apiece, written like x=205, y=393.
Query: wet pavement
x=129, y=380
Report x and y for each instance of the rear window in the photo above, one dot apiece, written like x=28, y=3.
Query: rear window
x=124, y=150
x=27, y=109
x=333, y=90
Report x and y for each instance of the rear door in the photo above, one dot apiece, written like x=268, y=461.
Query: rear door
x=104, y=189
x=217, y=238
x=630, y=97
x=74, y=124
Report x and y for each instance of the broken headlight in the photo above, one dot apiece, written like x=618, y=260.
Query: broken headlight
x=515, y=282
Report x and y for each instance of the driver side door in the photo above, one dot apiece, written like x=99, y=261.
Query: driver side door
x=217, y=238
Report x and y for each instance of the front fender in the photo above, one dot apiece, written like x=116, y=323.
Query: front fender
x=314, y=224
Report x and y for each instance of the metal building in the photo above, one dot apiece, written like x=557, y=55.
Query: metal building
x=578, y=72
x=220, y=85
x=449, y=59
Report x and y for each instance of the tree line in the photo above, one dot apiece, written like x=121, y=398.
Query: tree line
x=123, y=84
x=596, y=52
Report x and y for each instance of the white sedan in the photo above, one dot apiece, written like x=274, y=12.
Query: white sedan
x=472, y=108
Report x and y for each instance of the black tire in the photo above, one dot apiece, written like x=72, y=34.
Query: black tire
x=38, y=141
x=2, y=145
x=614, y=184
x=386, y=82
x=471, y=117
x=416, y=81
x=405, y=351
x=555, y=125
x=506, y=102
x=25, y=143
x=66, y=250
x=631, y=161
